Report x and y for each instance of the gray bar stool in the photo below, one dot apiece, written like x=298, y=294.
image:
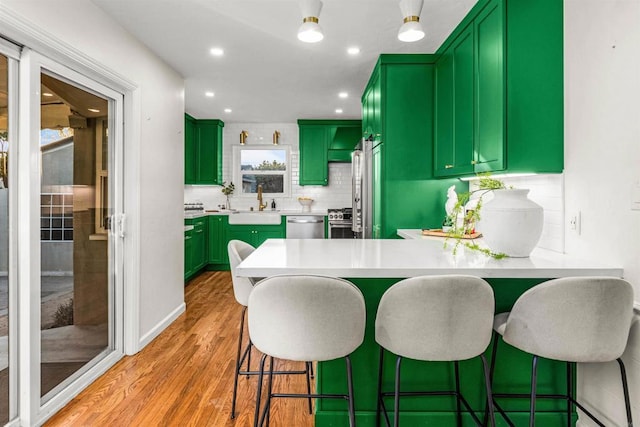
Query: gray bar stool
x=305, y=318
x=573, y=319
x=242, y=287
x=435, y=318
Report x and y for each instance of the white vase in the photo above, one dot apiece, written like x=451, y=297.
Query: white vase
x=511, y=223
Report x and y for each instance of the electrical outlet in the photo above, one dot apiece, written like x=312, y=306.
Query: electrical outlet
x=574, y=222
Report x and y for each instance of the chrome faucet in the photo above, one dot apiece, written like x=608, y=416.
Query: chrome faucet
x=261, y=204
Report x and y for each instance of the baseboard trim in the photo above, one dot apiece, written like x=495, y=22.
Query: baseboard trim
x=157, y=330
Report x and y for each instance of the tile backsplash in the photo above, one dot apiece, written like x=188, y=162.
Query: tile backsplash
x=547, y=191
x=335, y=195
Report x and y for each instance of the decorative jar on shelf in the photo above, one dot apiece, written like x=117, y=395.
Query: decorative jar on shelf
x=511, y=223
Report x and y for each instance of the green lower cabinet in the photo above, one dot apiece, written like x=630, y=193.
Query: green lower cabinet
x=200, y=243
x=217, y=242
x=256, y=235
x=512, y=375
x=195, y=250
x=188, y=256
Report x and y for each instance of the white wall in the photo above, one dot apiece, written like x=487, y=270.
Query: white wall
x=335, y=195
x=602, y=165
x=82, y=25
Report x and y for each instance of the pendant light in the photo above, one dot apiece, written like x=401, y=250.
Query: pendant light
x=411, y=30
x=310, y=31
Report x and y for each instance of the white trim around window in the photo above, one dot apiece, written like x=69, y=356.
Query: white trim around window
x=237, y=173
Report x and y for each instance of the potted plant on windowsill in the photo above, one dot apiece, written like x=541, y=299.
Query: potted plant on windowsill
x=511, y=225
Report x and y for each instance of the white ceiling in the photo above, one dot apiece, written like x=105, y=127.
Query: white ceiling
x=266, y=74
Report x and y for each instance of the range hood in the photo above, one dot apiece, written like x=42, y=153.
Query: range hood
x=342, y=143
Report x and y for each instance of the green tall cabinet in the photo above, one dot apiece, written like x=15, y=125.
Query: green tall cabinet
x=397, y=108
x=203, y=151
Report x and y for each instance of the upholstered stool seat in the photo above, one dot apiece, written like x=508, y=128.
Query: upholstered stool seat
x=305, y=318
x=573, y=319
x=435, y=318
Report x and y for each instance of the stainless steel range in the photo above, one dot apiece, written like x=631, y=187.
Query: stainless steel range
x=340, y=223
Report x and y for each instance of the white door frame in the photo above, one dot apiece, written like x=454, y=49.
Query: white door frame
x=32, y=411
x=12, y=52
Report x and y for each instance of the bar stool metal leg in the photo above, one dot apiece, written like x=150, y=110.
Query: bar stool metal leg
x=379, y=407
x=256, y=416
x=456, y=368
x=396, y=403
x=352, y=408
x=308, y=369
x=534, y=378
x=569, y=392
x=487, y=382
x=237, y=370
x=625, y=389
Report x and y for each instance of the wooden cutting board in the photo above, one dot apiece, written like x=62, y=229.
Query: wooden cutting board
x=439, y=233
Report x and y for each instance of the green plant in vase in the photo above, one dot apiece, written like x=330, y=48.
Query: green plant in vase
x=227, y=190
x=462, y=221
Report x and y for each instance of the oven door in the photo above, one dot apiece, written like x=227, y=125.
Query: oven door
x=341, y=230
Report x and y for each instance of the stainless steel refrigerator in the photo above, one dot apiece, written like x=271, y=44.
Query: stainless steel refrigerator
x=362, y=189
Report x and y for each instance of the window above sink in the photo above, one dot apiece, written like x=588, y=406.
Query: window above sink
x=264, y=165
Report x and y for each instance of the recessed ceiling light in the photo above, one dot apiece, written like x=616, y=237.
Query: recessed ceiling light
x=343, y=95
x=47, y=94
x=227, y=110
x=338, y=110
x=353, y=50
x=209, y=94
x=217, y=51
x=93, y=110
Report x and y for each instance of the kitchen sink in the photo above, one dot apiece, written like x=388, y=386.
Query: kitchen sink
x=258, y=218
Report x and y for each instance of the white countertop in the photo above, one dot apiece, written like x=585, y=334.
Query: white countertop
x=406, y=258
x=288, y=212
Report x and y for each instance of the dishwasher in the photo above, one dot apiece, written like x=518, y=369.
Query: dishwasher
x=305, y=227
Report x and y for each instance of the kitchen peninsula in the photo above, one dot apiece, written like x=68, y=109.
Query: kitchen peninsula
x=374, y=265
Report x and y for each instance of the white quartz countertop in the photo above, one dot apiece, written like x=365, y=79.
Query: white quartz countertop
x=288, y=212
x=406, y=258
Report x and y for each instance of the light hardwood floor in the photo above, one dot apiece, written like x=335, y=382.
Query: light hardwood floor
x=185, y=376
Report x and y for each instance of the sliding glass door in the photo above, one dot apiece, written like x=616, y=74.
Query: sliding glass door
x=61, y=238
x=76, y=277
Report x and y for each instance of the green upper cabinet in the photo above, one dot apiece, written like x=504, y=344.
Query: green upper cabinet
x=203, y=151
x=322, y=141
x=453, y=145
x=499, y=91
x=314, y=146
x=489, y=137
x=190, y=147
x=372, y=108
